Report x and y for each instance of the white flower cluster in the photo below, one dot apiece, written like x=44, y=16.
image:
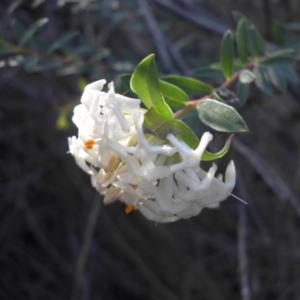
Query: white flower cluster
x=161, y=179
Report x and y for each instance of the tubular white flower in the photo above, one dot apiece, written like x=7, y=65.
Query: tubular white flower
x=162, y=179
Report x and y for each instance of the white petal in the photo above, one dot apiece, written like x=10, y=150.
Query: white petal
x=230, y=175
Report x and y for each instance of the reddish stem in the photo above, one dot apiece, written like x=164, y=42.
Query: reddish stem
x=226, y=84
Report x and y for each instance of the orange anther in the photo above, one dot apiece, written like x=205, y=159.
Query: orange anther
x=129, y=208
x=89, y=144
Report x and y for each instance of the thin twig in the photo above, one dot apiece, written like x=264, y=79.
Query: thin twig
x=159, y=38
x=242, y=253
x=85, y=249
x=195, y=17
x=271, y=178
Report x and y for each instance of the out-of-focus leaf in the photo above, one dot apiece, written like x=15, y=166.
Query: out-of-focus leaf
x=294, y=26
x=18, y=29
x=14, y=4
x=209, y=73
x=82, y=83
x=242, y=92
x=262, y=80
x=32, y=30
x=174, y=96
x=246, y=76
x=277, y=59
x=36, y=3
x=125, y=80
x=238, y=16
x=220, y=116
x=62, y=122
x=227, y=54
x=48, y=65
x=144, y=82
x=279, y=33
x=192, y=120
x=62, y=41
x=31, y=62
x=277, y=78
x=255, y=41
x=207, y=156
x=189, y=85
x=290, y=75
x=241, y=40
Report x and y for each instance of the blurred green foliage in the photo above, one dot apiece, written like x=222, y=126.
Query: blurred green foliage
x=46, y=201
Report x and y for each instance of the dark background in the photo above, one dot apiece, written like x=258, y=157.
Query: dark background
x=57, y=242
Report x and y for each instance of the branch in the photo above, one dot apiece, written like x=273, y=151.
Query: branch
x=85, y=249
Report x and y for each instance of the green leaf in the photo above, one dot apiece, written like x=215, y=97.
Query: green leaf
x=262, y=80
x=279, y=33
x=174, y=96
x=290, y=74
x=241, y=40
x=246, y=76
x=13, y=6
x=186, y=134
x=62, y=41
x=238, y=16
x=189, y=85
x=209, y=73
x=277, y=78
x=207, y=156
x=157, y=125
x=277, y=59
x=18, y=29
x=255, y=41
x=32, y=30
x=227, y=54
x=220, y=116
x=242, y=92
x=144, y=82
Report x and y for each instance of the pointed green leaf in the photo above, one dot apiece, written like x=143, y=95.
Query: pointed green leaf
x=32, y=30
x=144, y=82
x=207, y=156
x=174, y=96
x=277, y=78
x=227, y=54
x=241, y=40
x=209, y=73
x=18, y=29
x=220, y=116
x=189, y=85
x=238, y=16
x=262, y=80
x=277, y=59
x=13, y=6
x=62, y=41
x=290, y=74
x=242, y=92
x=279, y=33
x=255, y=42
